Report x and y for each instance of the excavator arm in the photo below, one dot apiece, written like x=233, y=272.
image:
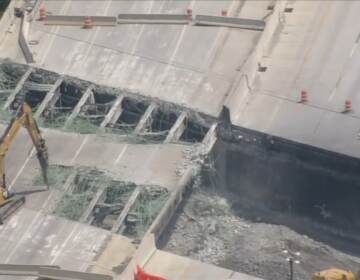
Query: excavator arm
x=25, y=119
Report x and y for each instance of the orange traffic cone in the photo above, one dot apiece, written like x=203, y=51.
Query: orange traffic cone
x=87, y=22
x=304, y=96
x=42, y=12
x=142, y=275
x=348, y=106
x=189, y=13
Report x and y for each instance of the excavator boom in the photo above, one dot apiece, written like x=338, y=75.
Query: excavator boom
x=24, y=119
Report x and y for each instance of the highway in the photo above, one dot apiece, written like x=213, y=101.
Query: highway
x=315, y=50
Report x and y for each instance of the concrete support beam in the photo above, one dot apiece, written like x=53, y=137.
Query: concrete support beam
x=85, y=217
x=81, y=103
x=210, y=139
x=18, y=87
x=37, y=87
x=68, y=185
x=50, y=98
x=118, y=225
x=177, y=129
x=145, y=119
x=114, y=113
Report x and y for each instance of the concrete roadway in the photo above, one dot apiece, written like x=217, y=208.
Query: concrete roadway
x=176, y=267
x=189, y=65
x=315, y=50
x=32, y=236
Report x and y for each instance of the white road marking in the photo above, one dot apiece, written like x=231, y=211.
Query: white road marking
x=122, y=152
x=56, y=30
x=79, y=149
x=353, y=49
x=141, y=31
x=25, y=234
x=63, y=245
x=21, y=169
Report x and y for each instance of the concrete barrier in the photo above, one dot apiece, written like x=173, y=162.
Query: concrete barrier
x=24, y=45
x=153, y=19
x=240, y=91
x=79, y=20
x=252, y=24
x=143, y=254
x=23, y=270
x=60, y=274
x=172, y=203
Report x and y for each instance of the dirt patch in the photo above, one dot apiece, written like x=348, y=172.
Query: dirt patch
x=211, y=228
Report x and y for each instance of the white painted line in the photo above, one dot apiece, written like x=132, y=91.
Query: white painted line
x=353, y=49
x=56, y=30
x=79, y=150
x=122, y=152
x=63, y=245
x=141, y=31
x=25, y=235
x=22, y=168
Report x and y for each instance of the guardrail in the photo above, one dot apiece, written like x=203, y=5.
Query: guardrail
x=79, y=20
x=200, y=20
x=153, y=19
x=49, y=272
x=24, y=45
x=243, y=23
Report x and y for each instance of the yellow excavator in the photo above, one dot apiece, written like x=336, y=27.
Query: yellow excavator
x=335, y=274
x=24, y=118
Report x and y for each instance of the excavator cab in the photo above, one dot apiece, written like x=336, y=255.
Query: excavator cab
x=10, y=202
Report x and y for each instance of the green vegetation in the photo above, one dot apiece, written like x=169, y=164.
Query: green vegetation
x=145, y=209
x=57, y=175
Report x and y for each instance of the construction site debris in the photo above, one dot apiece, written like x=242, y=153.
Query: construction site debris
x=144, y=211
x=57, y=175
x=212, y=228
x=96, y=198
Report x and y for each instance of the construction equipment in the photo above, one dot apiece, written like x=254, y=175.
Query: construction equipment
x=335, y=274
x=10, y=202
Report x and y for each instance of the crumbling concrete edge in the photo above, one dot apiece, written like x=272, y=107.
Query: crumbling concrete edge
x=241, y=88
x=147, y=247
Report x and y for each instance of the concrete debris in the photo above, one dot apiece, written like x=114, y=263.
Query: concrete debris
x=57, y=175
x=10, y=74
x=101, y=199
x=144, y=211
x=211, y=229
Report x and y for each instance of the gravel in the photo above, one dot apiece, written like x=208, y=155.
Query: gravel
x=208, y=227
